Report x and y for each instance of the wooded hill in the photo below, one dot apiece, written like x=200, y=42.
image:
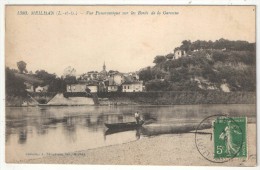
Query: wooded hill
x=222, y=65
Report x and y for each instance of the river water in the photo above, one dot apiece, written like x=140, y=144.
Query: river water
x=39, y=131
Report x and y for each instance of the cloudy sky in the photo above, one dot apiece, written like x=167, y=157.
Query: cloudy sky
x=125, y=43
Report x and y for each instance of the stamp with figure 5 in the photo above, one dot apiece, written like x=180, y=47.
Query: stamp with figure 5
x=230, y=137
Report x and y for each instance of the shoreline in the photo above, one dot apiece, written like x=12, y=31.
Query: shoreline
x=135, y=98
x=177, y=149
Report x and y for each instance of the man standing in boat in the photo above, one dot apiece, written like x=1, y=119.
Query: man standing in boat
x=137, y=117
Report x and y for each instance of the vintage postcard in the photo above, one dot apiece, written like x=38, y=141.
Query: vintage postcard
x=130, y=85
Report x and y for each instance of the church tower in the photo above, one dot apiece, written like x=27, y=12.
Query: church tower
x=103, y=74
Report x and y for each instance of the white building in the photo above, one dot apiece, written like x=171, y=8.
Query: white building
x=112, y=88
x=179, y=54
x=136, y=86
x=81, y=87
x=116, y=79
x=93, y=88
x=42, y=88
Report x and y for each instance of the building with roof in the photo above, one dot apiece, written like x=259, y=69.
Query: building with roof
x=83, y=86
x=42, y=88
x=135, y=86
x=112, y=88
x=116, y=79
x=179, y=53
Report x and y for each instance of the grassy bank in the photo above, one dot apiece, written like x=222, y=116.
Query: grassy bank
x=173, y=98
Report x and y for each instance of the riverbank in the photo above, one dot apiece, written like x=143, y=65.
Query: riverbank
x=172, y=149
x=48, y=99
x=135, y=98
x=19, y=101
x=176, y=98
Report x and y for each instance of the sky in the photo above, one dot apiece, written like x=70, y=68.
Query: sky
x=124, y=42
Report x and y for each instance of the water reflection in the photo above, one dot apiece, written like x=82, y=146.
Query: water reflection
x=22, y=136
x=65, y=129
x=69, y=128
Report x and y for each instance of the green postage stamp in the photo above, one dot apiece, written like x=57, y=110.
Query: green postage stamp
x=230, y=137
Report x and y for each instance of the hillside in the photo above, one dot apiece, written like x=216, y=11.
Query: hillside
x=227, y=69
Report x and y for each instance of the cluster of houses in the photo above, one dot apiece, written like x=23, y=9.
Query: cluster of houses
x=112, y=81
x=94, y=81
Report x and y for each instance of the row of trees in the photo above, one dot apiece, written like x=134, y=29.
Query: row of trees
x=187, y=45
x=15, y=85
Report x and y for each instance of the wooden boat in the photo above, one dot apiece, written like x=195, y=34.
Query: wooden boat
x=127, y=125
x=113, y=130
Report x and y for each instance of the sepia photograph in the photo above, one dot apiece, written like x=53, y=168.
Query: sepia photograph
x=130, y=85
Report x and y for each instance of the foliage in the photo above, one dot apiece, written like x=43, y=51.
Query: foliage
x=69, y=71
x=157, y=85
x=185, y=45
x=184, y=86
x=55, y=84
x=159, y=59
x=169, y=56
x=13, y=84
x=119, y=89
x=208, y=63
x=45, y=76
x=22, y=67
x=146, y=74
x=220, y=44
x=70, y=79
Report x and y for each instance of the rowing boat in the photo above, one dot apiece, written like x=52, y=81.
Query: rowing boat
x=127, y=125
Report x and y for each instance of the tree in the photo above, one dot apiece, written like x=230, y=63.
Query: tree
x=69, y=75
x=119, y=89
x=186, y=44
x=170, y=56
x=55, y=83
x=157, y=85
x=69, y=71
x=58, y=85
x=22, y=67
x=159, y=59
x=45, y=76
x=146, y=74
x=157, y=73
x=13, y=84
x=70, y=79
